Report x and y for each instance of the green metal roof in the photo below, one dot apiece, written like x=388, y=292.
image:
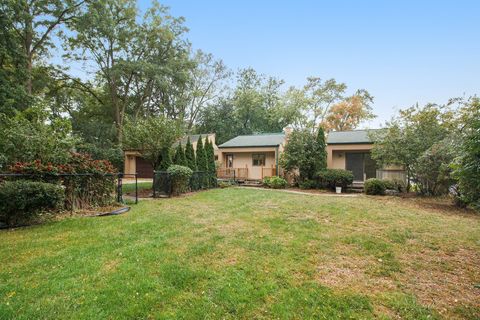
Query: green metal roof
x=350, y=137
x=255, y=140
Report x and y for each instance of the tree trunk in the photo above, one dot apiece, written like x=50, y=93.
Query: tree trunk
x=28, y=49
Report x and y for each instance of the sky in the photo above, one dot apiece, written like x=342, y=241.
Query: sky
x=402, y=52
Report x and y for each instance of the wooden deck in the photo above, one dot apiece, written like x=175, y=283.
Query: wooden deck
x=242, y=173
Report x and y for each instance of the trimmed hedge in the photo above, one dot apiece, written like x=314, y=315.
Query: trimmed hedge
x=375, y=186
x=22, y=201
x=331, y=178
x=180, y=178
x=275, y=182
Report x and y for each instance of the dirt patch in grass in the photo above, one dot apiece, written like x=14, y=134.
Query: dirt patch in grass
x=444, y=281
x=348, y=272
x=142, y=193
x=110, y=265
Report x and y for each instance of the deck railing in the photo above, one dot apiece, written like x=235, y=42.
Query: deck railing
x=232, y=173
x=392, y=175
x=269, y=172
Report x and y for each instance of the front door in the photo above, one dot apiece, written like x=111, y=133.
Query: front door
x=258, y=162
x=354, y=163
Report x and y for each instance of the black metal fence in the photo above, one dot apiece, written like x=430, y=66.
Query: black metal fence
x=77, y=182
x=162, y=182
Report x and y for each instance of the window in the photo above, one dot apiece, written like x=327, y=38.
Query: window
x=258, y=159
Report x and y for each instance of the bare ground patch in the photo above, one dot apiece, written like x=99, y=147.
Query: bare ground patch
x=348, y=272
x=444, y=281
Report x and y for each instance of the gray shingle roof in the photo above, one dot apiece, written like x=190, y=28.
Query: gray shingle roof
x=255, y=140
x=347, y=137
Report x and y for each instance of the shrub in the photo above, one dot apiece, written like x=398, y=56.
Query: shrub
x=275, y=182
x=21, y=201
x=266, y=181
x=307, y=184
x=375, y=187
x=94, y=187
x=331, y=178
x=180, y=176
x=395, y=184
x=389, y=185
x=225, y=184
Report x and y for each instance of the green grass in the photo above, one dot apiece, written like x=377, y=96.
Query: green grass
x=239, y=253
x=130, y=187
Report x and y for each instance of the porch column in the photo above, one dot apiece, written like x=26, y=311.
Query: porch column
x=329, y=157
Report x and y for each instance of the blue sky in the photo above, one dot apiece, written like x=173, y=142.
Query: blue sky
x=402, y=52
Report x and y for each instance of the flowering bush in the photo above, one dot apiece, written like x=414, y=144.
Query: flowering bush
x=87, y=182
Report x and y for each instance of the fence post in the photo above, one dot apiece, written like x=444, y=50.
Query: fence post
x=73, y=195
x=153, y=184
x=119, y=188
x=136, y=189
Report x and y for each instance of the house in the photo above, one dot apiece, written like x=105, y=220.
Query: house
x=351, y=150
x=134, y=163
x=251, y=157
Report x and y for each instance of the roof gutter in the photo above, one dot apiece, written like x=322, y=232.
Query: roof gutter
x=264, y=146
x=334, y=143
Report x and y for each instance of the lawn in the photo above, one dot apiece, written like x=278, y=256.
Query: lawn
x=240, y=253
x=130, y=187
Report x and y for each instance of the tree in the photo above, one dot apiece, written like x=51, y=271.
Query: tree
x=153, y=137
x=27, y=137
x=13, y=71
x=34, y=22
x=190, y=155
x=349, y=113
x=202, y=164
x=433, y=169
x=141, y=64
x=467, y=166
x=210, y=153
x=214, y=119
x=165, y=159
x=205, y=85
x=409, y=135
x=303, y=153
x=324, y=103
x=256, y=105
x=319, y=96
x=322, y=148
x=179, y=157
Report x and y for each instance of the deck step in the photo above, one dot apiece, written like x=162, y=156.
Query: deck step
x=252, y=183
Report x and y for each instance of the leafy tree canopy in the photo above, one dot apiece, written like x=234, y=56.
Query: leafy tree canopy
x=153, y=137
